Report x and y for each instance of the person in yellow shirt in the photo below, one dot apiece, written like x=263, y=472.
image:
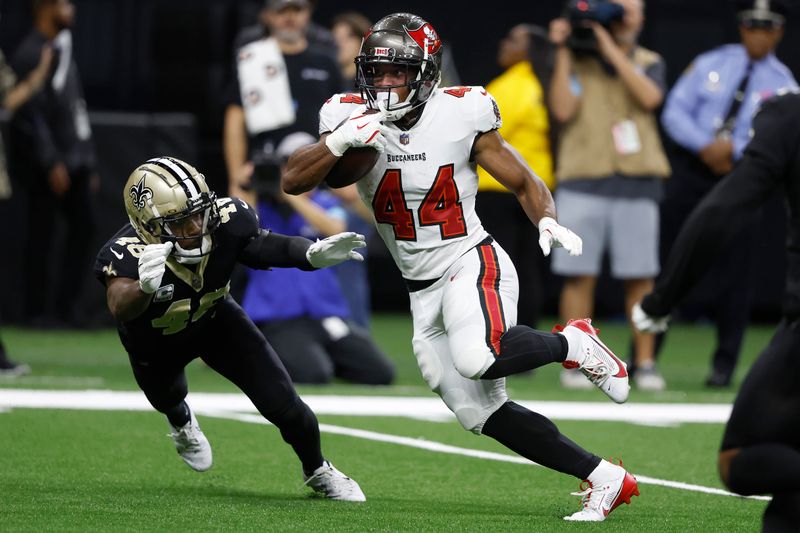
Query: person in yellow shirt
x=526, y=127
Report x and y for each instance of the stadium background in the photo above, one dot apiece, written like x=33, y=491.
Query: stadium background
x=154, y=73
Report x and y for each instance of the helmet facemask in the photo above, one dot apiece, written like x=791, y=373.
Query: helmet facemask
x=173, y=228
x=382, y=98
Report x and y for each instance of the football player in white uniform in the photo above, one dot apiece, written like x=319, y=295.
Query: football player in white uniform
x=463, y=287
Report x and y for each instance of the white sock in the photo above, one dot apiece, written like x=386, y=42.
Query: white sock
x=573, y=337
x=604, y=472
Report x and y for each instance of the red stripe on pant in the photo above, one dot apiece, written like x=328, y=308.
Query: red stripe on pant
x=488, y=289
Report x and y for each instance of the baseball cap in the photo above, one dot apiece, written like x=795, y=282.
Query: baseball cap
x=762, y=13
x=277, y=5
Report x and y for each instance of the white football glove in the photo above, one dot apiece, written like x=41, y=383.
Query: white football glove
x=358, y=131
x=554, y=235
x=335, y=249
x=152, y=264
x=646, y=323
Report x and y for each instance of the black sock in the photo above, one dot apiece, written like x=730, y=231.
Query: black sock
x=781, y=514
x=535, y=437
x=179, y=415
x=765, y=469
x=523, y=348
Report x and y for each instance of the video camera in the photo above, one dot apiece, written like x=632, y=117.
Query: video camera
x=581, y=12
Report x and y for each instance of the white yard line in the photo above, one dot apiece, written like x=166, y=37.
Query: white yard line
x=59, y=381
x=425, y=408
x=238, y=407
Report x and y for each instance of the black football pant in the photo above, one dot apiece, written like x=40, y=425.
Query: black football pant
x=764, y=427
x=506, y=221
x=74, y=259
x=311, y=355
x=726, y=286
x=233, y=347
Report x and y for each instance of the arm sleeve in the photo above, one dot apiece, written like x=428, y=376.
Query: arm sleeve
x=729, y=207
x=336, y=109
x=657, y=72
x=487, y=113
x=679, y=114
x=232, y=94
x=269, y=249
x=117, y=261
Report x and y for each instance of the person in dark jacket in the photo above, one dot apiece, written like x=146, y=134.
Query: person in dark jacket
x=51, y=154
x=13, y=94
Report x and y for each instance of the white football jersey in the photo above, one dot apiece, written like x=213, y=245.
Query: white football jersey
x=422, y=190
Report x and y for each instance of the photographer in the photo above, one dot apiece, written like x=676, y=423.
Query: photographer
x=304, y=315
x=604, y=93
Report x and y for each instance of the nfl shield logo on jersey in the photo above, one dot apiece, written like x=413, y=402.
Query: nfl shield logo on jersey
x=404, y=138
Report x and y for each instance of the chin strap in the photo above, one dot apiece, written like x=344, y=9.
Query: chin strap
x=192, y=257
x=393, y=114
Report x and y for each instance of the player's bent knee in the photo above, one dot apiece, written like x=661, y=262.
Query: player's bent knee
x=473, y=362
x=470, y=414
x=467, y=412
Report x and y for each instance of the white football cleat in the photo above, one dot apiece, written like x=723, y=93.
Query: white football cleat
x=333, y=484
x=192, y=445
x=588, y=354
x=598, y=501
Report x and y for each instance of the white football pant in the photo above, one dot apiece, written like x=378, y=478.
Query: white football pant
x=458, y=322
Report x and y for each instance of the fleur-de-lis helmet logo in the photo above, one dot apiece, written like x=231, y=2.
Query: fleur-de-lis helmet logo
x=140, y=194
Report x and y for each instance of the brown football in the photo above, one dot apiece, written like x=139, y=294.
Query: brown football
x=351, y=167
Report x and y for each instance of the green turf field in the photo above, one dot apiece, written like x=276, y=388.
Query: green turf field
x=99, y=470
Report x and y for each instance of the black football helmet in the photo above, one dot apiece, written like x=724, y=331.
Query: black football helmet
x=406, y=40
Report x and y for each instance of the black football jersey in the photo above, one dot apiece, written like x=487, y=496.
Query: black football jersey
x=186, y=299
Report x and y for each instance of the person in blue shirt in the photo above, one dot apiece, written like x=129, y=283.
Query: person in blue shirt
x=708, y=114
x=304, y=314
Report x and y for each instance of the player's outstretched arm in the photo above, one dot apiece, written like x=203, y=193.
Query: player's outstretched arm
x=731, y=204
x=307, y=167
x=275, y=250
x=503, y=162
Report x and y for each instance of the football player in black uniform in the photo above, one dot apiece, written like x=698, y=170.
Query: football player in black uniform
x=167, y=275
x=760, y=452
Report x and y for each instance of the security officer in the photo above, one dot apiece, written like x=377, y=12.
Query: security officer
x=708, y=114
